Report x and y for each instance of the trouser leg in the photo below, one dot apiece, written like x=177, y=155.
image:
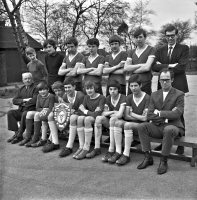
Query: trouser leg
x=13, y=116
x=22, y=124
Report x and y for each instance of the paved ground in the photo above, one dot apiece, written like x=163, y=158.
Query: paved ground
x=28, y=174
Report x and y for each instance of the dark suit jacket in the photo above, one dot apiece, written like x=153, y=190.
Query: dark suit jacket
x=179, y=55
x=174, y=99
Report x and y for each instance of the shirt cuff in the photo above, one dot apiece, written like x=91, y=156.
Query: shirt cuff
x=85, y=112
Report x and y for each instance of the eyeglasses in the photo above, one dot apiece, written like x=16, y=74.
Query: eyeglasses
x=170, y=36
x=164, y=80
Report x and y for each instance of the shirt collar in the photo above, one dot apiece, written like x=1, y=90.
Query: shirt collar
x=171, y=46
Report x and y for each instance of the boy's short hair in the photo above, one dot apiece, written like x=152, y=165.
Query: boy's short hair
x=135, y=78
x=30, y=50
x=51, y=42
x=93, y=41
x=57, y=85
x=114, y=83
x=69, y=81
x=138, y=32
x=90, y=84
x=42, y=85
x=115, y=38
x=170, y=28
x=71, y=40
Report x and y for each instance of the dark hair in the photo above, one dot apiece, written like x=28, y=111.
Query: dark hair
x=114, y=83
x=165, y=70
x=135, y=78
x=71, y=40
x=51, y=42
x=69, y=81
x=57, y=85
x=138, y=32
x=42, y=85
x=170, y=28
x=93, y=41
x=115, y=38
x=90, y=84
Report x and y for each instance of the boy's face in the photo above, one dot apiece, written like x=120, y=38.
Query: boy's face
x=44, y=92
x=140, y=40
x=135, y=88
x=90, y=91
x=69, y=89
x=31, y=56
x=113, y=91
x=72, y=49
x=115, y=47
x=59, y=92
x=92, y=49
x=50, y=49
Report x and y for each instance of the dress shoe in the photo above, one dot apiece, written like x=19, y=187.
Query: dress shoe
x=93, y=153
x=82, y=155
x=39, y=143
x=180, y=150
x=12, y=138
x=28, y=144
x=134, y=143
x=158, y=148
x=163, y=166
x=114, y=158
x=148, y=160
x=16, y=140
x=106, y=157
x=50, y=147
x=65, y=152
x=77, y=152
x=123, y=160
x=24, y=141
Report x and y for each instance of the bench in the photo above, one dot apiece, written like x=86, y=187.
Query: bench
x=190, y=142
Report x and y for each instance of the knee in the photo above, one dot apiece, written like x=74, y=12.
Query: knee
x=88, y=120
x=50, y=117
x=37, y=116
x=171, y=131
x=73, y=120
x=118, y=123
x=30, y=115
x=99, y=120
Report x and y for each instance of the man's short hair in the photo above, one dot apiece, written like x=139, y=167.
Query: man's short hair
x=115, y=38
x=135, y=78
x=30, y=50
x=93, y=41
x=165, y=70
x=27, y=74
x=114, y=83
x=57, y=85
x=170, y=28
x=138, y=32
x=42, y=85
x=51, y=42
x=71, y=40
x=69, y=81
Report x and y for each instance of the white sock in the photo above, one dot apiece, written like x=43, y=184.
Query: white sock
x=81, y=135
x=127, y=141
x=112, y=142
x=54, y=132
x=118, y=139
x=97, y=135
x=88, y=138
x=44, y=130
x=72, y=135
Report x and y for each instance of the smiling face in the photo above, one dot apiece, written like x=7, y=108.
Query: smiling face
x=27, y=79
x=69, y=89
x=44, y=92
x=171, y=37
x=50, y=49
x=90, y=91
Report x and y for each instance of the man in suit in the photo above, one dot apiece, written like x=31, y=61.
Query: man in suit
x=25, y=99
x=175, y=57
x=164, y=113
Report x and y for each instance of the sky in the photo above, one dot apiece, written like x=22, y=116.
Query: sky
x=171, y=10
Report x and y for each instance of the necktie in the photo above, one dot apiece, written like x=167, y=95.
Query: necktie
x=169, y=53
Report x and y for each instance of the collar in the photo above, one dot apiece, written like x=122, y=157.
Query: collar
x=53, y=54
x=172, y=46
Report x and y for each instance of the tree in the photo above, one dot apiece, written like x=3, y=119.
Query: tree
x=38, y=16
x=13, y=11
x=3, y=16
x=184, y=30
